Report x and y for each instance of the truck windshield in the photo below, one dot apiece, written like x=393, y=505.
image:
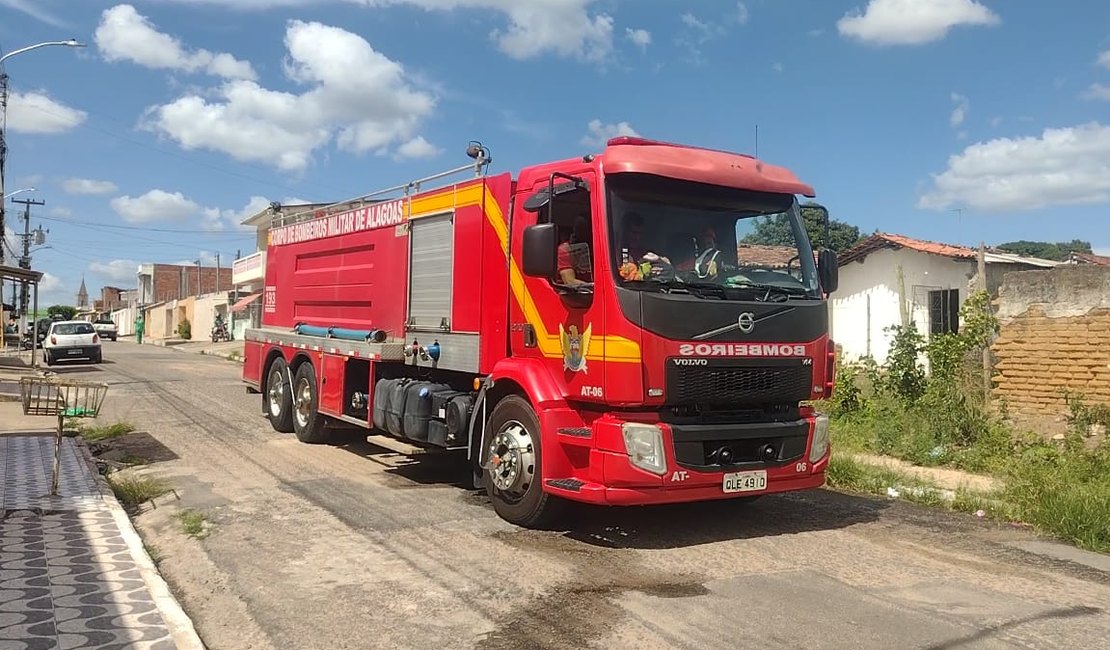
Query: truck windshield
x=716, y=242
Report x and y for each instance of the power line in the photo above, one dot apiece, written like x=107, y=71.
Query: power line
x=194, y=231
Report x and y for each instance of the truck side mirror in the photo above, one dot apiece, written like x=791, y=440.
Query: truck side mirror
x=828, y=270
x=539, y=250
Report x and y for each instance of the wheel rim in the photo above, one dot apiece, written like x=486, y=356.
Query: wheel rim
x=512, y=460
x=303, y=401
x=277, y=392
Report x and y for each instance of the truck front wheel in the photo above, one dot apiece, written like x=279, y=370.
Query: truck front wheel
x=278, y=392
x=513, y=457
x=309, y=425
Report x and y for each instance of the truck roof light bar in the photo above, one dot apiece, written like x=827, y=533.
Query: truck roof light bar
x=475, y=150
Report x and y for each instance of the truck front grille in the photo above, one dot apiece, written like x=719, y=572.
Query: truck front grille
x=738, y=382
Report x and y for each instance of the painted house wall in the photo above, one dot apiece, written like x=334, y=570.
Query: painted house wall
x=867, y=302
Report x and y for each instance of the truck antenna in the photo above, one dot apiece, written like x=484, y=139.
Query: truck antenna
x=757, y=141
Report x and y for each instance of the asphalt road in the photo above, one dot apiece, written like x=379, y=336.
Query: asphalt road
x=341, y=547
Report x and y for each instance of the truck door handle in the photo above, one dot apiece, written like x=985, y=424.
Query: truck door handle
x=529, y=336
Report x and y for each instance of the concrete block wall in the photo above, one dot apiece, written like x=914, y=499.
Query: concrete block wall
x=1054, y=339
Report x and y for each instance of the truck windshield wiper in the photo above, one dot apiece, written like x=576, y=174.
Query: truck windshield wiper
x=787, y=292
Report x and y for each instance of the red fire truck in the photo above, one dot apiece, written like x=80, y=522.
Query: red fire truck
x=591, y=330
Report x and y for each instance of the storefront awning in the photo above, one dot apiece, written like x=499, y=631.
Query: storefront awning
x=242, y=304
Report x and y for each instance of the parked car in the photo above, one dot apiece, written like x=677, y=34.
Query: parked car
x=71, y=340
x=106, y=328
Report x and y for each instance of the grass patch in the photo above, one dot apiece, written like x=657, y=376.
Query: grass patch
x=133, y=490
x=155, y=554
x=105, y=432
x=942, y=419
x=193, y=523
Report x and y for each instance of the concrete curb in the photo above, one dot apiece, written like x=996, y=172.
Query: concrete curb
x=181, y=628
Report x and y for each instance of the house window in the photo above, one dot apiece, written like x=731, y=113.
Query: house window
x=944, y=311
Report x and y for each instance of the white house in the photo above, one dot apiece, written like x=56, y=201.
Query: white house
x=886, y=274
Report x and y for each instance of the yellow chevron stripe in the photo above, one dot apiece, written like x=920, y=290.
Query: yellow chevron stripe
x=612, y=348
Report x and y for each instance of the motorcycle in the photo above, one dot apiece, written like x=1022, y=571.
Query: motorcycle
x=220, y=332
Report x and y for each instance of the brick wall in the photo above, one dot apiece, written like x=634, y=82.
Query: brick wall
x=168, y=283
x=1054, y=338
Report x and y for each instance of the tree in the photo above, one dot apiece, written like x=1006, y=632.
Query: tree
x=1046, y=250
x=776, y=231
x=64, y=311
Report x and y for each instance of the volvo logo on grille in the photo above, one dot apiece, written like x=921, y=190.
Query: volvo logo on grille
x=746, y=322
x=691, y=362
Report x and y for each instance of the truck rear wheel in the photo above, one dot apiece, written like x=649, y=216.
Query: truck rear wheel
x=279, y=398
x=309, y=425
x=513, y=454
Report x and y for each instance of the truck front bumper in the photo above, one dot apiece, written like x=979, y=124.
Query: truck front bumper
x=610, y=477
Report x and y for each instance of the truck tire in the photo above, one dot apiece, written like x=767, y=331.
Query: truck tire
x=308, y=423
x=278, y=395
x=515, y=486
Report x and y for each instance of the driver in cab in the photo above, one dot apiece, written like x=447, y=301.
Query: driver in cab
x=703, y=263
x=572, y=263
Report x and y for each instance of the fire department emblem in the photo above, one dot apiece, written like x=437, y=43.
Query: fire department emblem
x=575, y=347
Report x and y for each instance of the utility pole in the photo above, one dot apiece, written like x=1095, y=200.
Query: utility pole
x=3, y=149
x=25, y=261
x=217, y=272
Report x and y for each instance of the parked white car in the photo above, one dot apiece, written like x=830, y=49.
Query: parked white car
x=71, y=340
x=106, y=328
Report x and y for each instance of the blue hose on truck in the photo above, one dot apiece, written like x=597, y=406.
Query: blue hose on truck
x=370, y=336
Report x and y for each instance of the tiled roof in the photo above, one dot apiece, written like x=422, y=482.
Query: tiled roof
x=769, y=256
x=1088, y=258
x=882, y=240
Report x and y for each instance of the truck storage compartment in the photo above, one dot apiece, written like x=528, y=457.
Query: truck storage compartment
x=437, y=434
x=458, y=418
x=382, y=390
x=440, y=400
x=395, y=406
x=418, y=408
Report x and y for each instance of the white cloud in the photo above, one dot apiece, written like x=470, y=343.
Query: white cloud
x=912, y=22
x=417, y=148
x=36, y=112
x=1104, y=59
x=695, y=34
x=1064, y=166
x=641, y=38
x=33, y=9
x=61, y=211
x=87, y=186
x=119, y=272
x=223, y=219
x=959, y=113
x=356, y=95
x=598, y=134
x=125, y=35
x=1097, y=91
x=742, y=13
x=155, y=205
x=563, y=27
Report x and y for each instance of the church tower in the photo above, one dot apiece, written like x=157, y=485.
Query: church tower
x=82, y=296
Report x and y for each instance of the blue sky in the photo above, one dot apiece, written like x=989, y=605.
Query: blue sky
x=953, y=120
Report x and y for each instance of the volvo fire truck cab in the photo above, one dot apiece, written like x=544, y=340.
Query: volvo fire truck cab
x=592, y=330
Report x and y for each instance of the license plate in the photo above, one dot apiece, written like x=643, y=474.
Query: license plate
x=75, y=352
x=745, y=481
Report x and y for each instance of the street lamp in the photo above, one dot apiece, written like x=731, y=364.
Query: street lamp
x=4, y=114
x=26, y=189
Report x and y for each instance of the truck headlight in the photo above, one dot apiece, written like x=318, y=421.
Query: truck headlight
x=644, y=444
x=820, y=438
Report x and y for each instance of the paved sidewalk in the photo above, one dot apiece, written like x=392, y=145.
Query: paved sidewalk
x=73, y=572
